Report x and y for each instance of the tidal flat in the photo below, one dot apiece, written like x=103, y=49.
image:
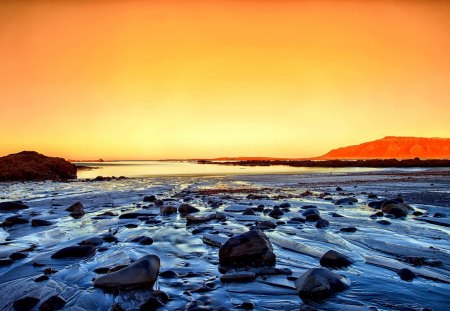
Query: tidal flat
x=184, y=220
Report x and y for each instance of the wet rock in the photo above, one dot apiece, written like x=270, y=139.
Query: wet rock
x=339, y=189
x=25, y=303
x=372, y=196
x=336, y=215
x=297, y=219
x=167, y=210
x=440, y=215
x=107, y=214
x=75, y=252
x=335, y=259
x=247, y=305
x=101, y=270
x=276, y=213
x=265, y=225
x=109, y=238
x=14, y=220
x=5, y=261
x=318, y=283
x=384, y=222
x=157, y=300
x=76, y=210
x=346, y=201
x=322, y=223
x=41, y=278
x=134, y=215
x=348, y=229
x=248, y=211
x=40, y=223
x=285, y=205
x=397, y=209
x=53, y=303
x=375, y=204
x=12, y=206
x=406, y=274
x=311, y=214
x=238, y=277
x=17, y=256
x=308, y=206
x=143, y=240
x=149, y=198
x=417, y=213
x=142, y=272
x=249, y=249
x=187, y=209
x=169, y=274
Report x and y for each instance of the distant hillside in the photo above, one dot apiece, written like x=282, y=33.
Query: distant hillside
x=391, y=147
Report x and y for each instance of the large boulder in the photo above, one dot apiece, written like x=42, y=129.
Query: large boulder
x=318, y=283
x=249, y=249
x=397, y=209
x=32, y=166
x=142, y=272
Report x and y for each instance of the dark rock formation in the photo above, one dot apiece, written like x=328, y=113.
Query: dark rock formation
x=32, y=166
x=397, y=209
x=318, y=283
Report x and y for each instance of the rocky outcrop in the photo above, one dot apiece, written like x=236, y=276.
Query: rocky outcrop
x=33, y=166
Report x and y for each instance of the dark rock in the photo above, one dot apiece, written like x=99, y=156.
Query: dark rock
x=169, y=274
x=348, y=229
x=140, y=273
x=417, y=213
x=76, y=210
x=5, y=261
x=308, y=206
x=107, y=214
x=135, y=215
x=14, y=220
x=392, y=201
x=248, y=211
x=41, y=278
x=297, y=219
x=187, y=209
x=336, y=215
x=440, y=215
x=157, y=300
x=109, y=238
x=339, y=189
x=375, y=204
x=276, y=213
x=17, y=256
x=322, y=223
x=372, y=196
x=247, y=305
x=406, y=274
x=53, y=303
x=32, y=166
x=397, y=209
x=149, y=198
x=12, y=206
x=384, y=222
x=131, y=226
x=168, y=210
x=265, y=224
x=238, y=277
x=26, y=303
x=335, y=259
x=101, y=270
x=143, y=240
x=40, y=223
x=74, y=252
x=318, y=283
x=346, y=201
x=249, y=249
x=311, y=214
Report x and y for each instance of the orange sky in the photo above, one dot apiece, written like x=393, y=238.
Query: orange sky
x=186, y=79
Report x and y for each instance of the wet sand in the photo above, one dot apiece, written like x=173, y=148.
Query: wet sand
x=420, y=243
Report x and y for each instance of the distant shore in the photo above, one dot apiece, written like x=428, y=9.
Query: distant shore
x=372, y=163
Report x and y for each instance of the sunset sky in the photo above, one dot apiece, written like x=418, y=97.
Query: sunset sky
x=187, y=79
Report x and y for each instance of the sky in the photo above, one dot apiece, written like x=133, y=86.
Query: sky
x=200, y=79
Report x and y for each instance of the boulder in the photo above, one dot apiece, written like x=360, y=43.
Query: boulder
x=142, y=272
x=311, y=214
x=76, y=210
x=406, y=275
x=318, y=283
x=322, y=223
x=53, y=303
x=32, y=166
x=12, y=206
x=75, y=252
x=185, y=209
x=14, y=220
x=40, y=223
x=168, y=210
x=149, y=198
x=397, y=209
x=335, y=260
x=25, y=303
x=346, y=201
x=249, y=249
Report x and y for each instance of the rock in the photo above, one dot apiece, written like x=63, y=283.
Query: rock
x=76, y=210
x=12, y=206
x=26, y=303
x=238, y=277
x=375, y=204
x=157, y=300
x=276, y=213
x=74, y=252
x=406, y=275
x=149, y=198
x=169, y=274
x=372, y=196
x=40, y=223
x=17, y=256
x=265, y=224
x=187, y=209
x=322, y=223
x=32, y=166
x=14, y=220
x=348, y=229
x=417, y=213
x=333, y=214
x=134, y=215
x=249, y=249
x=41, y=278
x=335, y=259
x=248, y=211
x=247, y=305
x=311, y=214
x=440, y=215
x=53, y=303
x=109, y=238
x=318, y=283
x=384, y=222
x=397, y=209
x=308, y=206
x=143, y=240
x=168, y=210
x=339, y=189
x=142, y=272
x=346, y=201
x=5, y=261
x=285, y=205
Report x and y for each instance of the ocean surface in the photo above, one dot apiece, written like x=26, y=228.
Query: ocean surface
x=191, y=168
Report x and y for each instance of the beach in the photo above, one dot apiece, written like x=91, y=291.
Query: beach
x=126, y=217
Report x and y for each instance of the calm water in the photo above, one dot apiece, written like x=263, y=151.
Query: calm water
x=179, y=168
